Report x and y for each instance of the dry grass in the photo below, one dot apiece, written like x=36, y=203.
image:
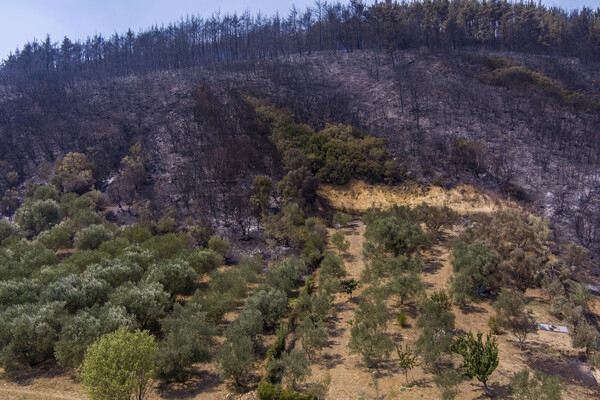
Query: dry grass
x=356, y=197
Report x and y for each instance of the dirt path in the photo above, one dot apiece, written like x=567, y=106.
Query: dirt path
x=23, y=394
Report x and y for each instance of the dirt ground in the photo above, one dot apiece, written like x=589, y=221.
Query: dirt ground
x=548, y=351
x=349, y=378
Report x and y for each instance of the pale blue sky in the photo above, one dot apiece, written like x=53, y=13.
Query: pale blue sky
x=24, y=20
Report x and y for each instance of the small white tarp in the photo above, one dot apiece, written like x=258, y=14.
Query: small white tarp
x=553, y=328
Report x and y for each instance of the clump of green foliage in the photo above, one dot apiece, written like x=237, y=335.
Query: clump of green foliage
x=120, y=365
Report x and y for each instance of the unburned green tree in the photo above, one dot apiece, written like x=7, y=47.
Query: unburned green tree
x=480, y=358
x=407, y=359
x=188, y=339
x=437, y=324
x=536, y=386
x=340, y=242
x=259, y=200
x=312, y=334
x=512, y=316
x=447, y=382
x=236, y=358
x=296, y=367
x=120, y=365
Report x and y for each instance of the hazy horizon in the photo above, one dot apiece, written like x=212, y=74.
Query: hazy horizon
x=24, y=21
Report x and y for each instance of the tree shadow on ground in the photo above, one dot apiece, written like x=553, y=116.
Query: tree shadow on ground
x=199, y=382
x=497, y=391
x=570, y=369
x=330, y=361
x=25, y=376
x=472, y=309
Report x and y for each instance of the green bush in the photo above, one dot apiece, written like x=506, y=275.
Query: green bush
x=268, y=391
x=38, y=215
x=165, y=246
x=76, y=292
x=92, y=237
x=538, y=385
x=203, y=261
x=286, y=276
x=46, y=192
x=82, y=329
x=114, y=272
x=146, y=301
x=220, y=245
x=402, y=319
x=235, y=358
x=142, y=258
x=229, y=281
x=216, y=304
x=175, y=276
x=7, y=230
x=22, y=259
x=57, y=237
x=251, y=267
x=275, y=350
x=19, y=291
x=135, y=234
x=28, y=333
x=478, y=264
x=120, y=365
x=249, y=322
x=188, y=339
x=272, y=304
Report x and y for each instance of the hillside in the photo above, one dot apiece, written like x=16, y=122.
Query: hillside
x=396, y=200
x=447, y=116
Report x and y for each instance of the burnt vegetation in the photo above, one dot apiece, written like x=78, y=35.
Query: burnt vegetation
x=137, y=171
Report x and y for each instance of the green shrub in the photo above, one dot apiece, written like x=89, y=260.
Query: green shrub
x=28, y=333
x=251, y=267
x=401, y=318
x=286, y=276
x=19, y=291
x=271, y=304
x=92, y=237
x=220, y=245
x=203, y=261
x=7, y=230
x=22, y=259
x=494, y=325
x=120, y=365
x=165, y=246
x=188, y=339
x=249, y=322
x=38, y=215
x=229, y=281
x=146, y=301
x=216, y=304
x=536, y=386
x=235, y=358
x=174, y=275
x=268, y=391
x=82, y=329
x=57, y=237
x=76, y=292
x=275, y=350
x=46, y=192
x=135, y=234
x=114, y=272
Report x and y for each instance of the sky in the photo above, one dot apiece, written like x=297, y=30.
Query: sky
x=23, y=20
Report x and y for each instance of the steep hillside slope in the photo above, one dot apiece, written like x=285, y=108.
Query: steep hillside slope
x=452, y=117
